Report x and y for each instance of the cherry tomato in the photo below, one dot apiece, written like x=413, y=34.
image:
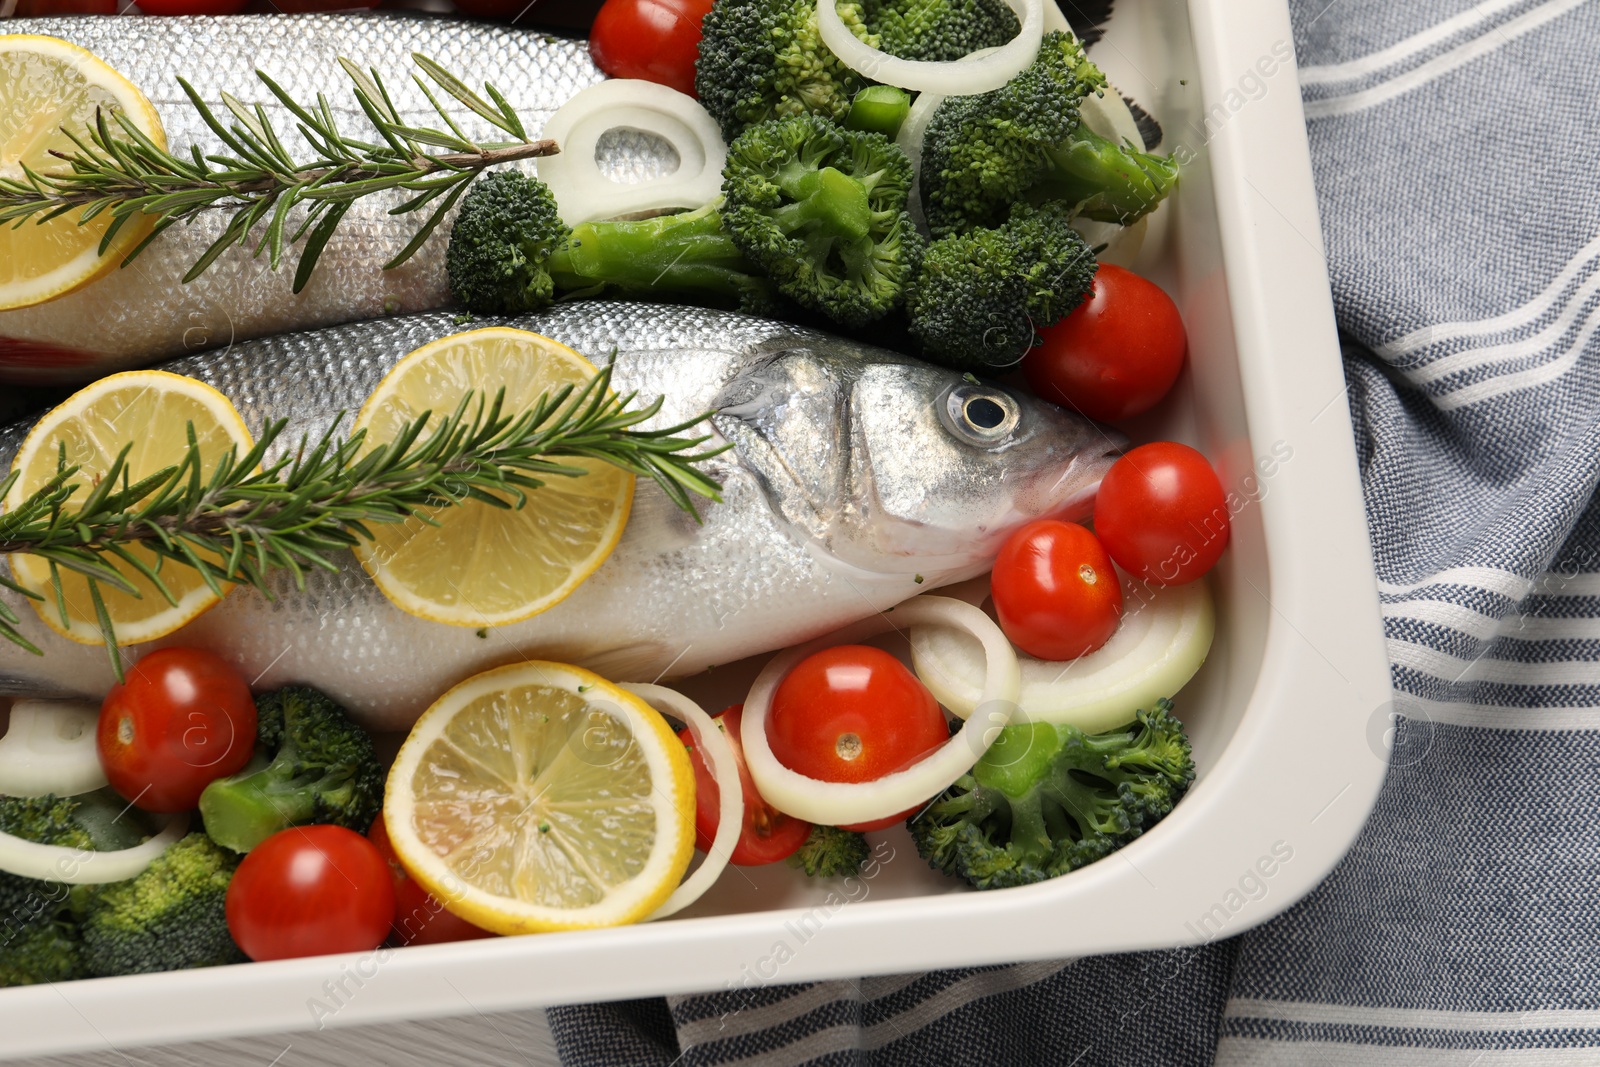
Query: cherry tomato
x=419, y=918
x=191, y=7
x=853, y=713
x=768, y=835
x=310, y=891
x=657, y=40
x=1055, y=590
x=1162, y=514
x=1116, y=355
x=182, y=719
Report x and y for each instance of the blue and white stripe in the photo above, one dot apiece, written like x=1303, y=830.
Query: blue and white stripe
x=1455, y=146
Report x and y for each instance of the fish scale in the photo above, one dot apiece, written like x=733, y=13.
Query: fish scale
x=143, y=313
x=906, y=503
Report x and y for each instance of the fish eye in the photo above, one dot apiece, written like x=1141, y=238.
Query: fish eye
x=980, y=414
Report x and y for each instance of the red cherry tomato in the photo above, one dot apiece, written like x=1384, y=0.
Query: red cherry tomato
x=853, y=713
x=182, y=719
x=1162, y=514
x=419, y=918
x=1116, y=355
x=1055, y=590
x=657, y=40
x=768, y=835
x=310, y=891
x=191, y=7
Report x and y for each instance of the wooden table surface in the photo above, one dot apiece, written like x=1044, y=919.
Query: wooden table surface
x=511, y=1038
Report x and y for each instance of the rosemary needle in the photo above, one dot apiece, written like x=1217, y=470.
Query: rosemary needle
x=247, y=521
x=117, y=168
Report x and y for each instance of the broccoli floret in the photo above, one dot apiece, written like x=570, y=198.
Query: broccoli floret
x=938, y=31
x=764, y=59
x=822, y=210
x=48, y=951
x=510, y=254
x=1024, y=141
x=507, y=227
x=830, y=852
x=1045, y=800
x=311, y=765
x=979, y=295
x=169, y=918
x=40, y=938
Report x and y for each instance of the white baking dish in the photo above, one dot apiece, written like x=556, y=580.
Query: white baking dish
x=1287, y=718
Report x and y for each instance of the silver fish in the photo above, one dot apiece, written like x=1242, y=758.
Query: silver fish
x=143, y=313
x=858, y=478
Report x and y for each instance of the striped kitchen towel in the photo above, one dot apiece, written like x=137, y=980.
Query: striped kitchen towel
x=1456, y=147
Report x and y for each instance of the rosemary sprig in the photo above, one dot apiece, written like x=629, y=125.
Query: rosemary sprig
x=117, y=168
x=240, y=524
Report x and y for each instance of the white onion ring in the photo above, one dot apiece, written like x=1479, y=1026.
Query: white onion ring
x=50, y=748
x=1157, y=648
x=584, y=193
x=909, y=137
x=910, y=141
x=72, y=866
x=955, y=78
x=847, y=803
x=724, y=768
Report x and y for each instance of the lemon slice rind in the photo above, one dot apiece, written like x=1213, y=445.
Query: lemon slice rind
x=151, y=616
x=62, y=276
x=519, y=562
x=671, y=793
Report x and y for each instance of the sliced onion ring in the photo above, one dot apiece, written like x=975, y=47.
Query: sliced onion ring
x=844, y=803
x=72, y=866
x=1161, y=643
x=714, y=745
x=50, y=748
x=909, y=137
x=955, y=78
x=584, y=193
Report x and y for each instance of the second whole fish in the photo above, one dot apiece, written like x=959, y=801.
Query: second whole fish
x=858, y=479
x=142, y=313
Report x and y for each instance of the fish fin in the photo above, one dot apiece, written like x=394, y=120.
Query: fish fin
x=642, y=662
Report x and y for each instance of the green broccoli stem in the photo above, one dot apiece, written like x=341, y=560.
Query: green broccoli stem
x=828, y=196
x=1027, y=766
x=879, y=109
x=243, y=811
x=1108, y=182
x=682, y=254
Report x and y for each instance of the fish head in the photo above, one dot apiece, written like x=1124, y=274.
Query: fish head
x=896, y=467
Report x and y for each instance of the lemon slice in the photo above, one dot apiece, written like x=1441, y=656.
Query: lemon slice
x=539, y=797
x=47, y=84
x=482, y=565
x=152, y=409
